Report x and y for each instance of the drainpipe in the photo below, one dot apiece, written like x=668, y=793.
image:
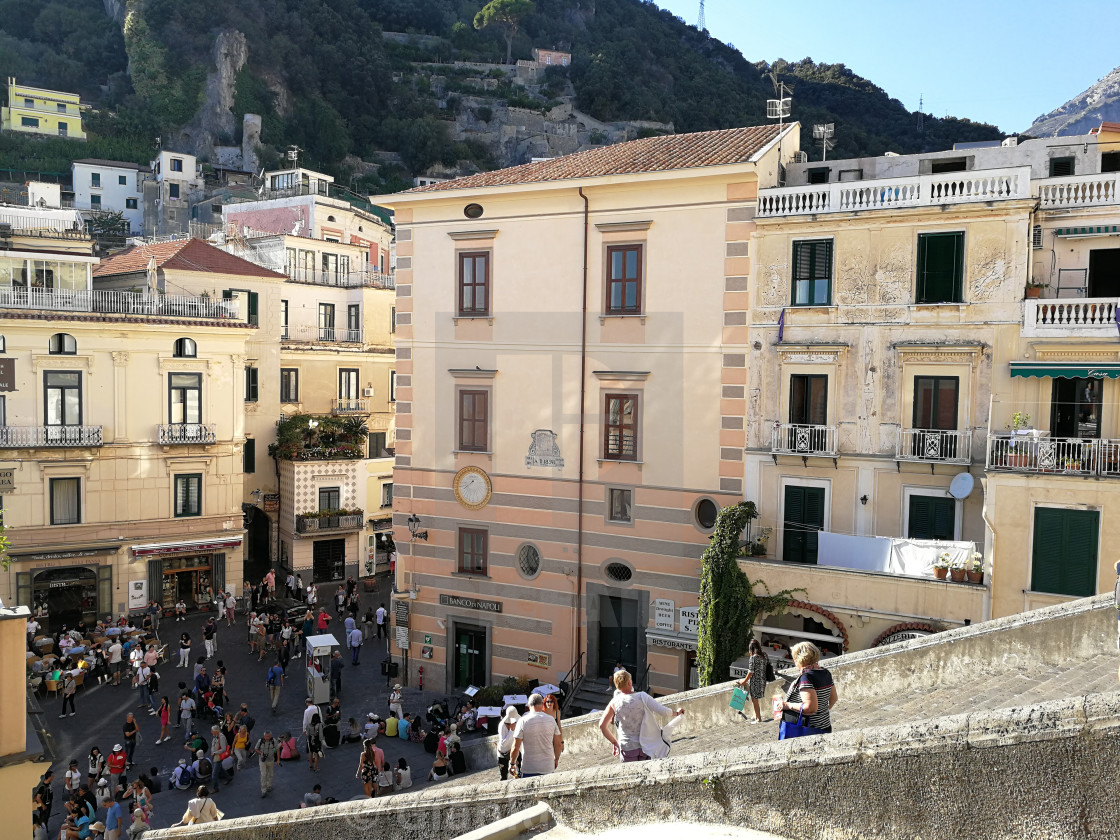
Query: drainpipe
x=987, y=608
x=582, y=430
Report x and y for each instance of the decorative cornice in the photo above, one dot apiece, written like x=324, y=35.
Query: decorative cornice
x=472, y=373
x=961, y=354
x=120, y=358
x=46, y=361
x=167, y=363
x=613, y=227
x=472, y=234
x=811, y=353
x=624, y=375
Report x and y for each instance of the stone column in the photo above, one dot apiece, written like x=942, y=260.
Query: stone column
x=237, y=420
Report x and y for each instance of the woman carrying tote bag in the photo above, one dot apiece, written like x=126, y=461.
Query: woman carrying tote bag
x=806, y=709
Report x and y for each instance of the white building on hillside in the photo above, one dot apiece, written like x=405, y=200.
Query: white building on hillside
x=112, y=185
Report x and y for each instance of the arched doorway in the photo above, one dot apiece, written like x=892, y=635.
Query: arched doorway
x=258, y=543
x=65, y=596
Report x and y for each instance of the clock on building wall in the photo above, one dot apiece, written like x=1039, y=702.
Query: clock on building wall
x=472, y=488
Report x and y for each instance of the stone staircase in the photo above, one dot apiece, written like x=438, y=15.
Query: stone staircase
x=593, y=693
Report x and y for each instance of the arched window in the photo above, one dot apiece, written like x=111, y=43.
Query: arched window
x=185, y=348
x=62, y=344
x=330, y=218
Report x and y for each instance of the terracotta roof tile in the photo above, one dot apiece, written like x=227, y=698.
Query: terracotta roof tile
x=650, y=154
x=184, y=255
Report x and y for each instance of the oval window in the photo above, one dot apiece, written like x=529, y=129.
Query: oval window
x=618, y=571
x=472, y=211
x=529, y=560
x=706, y=513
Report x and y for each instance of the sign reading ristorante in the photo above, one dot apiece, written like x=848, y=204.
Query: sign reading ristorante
x=470, y=603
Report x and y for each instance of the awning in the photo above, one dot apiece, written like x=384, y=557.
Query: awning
x=1091, y=230
x=187, y=547
x=1067, y=370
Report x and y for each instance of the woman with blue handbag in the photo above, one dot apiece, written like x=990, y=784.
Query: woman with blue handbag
x=807, y=707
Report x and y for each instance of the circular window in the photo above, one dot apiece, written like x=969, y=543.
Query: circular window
x=618, y=571
x=472, y=211
x=706, y=512
x=529, y=560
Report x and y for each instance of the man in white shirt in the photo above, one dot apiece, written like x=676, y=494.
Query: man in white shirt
x=312, y=595
x=143, y=674
x=309, y=713
x=33, y=628
x=116, y=652
x=382, y=630
x=536, y=738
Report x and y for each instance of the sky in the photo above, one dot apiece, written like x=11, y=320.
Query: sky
x=992, y=61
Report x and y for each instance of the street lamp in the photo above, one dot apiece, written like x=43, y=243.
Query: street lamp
x=414, y=528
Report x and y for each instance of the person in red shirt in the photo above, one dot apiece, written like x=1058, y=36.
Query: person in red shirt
x=324, y=619
x=116, y=763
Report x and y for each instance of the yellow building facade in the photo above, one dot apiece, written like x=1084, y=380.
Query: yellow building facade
x=51, y=113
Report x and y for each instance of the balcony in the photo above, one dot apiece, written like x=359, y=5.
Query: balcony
x=1035, y=452
x=1070, y=317
x=310, y=523
x=347, y=280
x=350, y=407
x=49, y=436
x=806, y=440
x=1078, y=191
x=893, y=193
x=305, y=334
x=933, y=446
x=117, y=302
x=187, y=433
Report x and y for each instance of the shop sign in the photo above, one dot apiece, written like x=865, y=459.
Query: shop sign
x=7, y=482
x=185, y=548
x=7, y=374
x=270, y=502
x=66, y=555
x=470, y=603
x=543, y=451
x=663, y=613
x=400, y=613
x=903, y=636
x=676, y=642
x=137, y=594
x=402, y=638
x=690, y=620
x=538, y=659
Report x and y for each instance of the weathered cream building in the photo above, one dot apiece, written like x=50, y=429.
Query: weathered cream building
x=570, y=403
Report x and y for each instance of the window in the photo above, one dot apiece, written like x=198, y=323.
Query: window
x=185, y=348
x=377, y=445
x=122, y=180
x=3, y=410
x=130, y=204
x=188, y=494
x=935, y=408
x=184, y=398
x=249, y=456
x=387, y=495
x=283, y=319
x=28, y=103
x=95, y=179
x=474, y=283
x=939, y=167
x=706, y=513
x=802, y=520
x=808, y=399
x=1064, y=554
x=393, y=320
x=1075, y=412
x=348, y=384
x=819, y=175
x=29, y=122
x=472, y=551
x=620, y=431
x=354, y=322
x=95, y=202
x=474, y=413
x=812, y=272
x=1060, y=167
x=329, y=498
x=326, y=322
x=66, y=501
x=932, y=518
x=176, y=164
x=846, y=175
x=1110, y=161
x=251, y=379
x=624, y=279
x=392, y=386
x=289, y=385
x=62, y=344
x=62, y=390
x=528, y=561
x=63, y=130
x=940, y=267
x=619, y=504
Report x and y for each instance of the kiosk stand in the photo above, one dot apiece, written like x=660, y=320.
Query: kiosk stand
x=319, y=650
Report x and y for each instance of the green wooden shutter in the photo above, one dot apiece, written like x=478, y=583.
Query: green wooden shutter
x=814, y=520
x=940, y=267
x=251, y=379
x=793, y=536
x=105, y=591
x=249, y=456
x=218, y=574
x=944, y=519
x=1064, y=556
x=931, y=518
x=920, y=525
x=155, y=582
x=253, y=309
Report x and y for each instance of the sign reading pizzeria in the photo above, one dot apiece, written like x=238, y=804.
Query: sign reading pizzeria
x=470, y=603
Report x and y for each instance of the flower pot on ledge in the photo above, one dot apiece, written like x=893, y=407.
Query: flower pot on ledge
x=957, y=575
x=1031, y=292
x=940, y=573
x=975, y=577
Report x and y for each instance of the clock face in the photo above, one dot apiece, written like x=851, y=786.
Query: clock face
x=472, y=488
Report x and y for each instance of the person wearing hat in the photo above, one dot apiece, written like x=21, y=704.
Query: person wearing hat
x=371, y=728
x=505, y=741
x=116, y=763
x=395, y=698
x=96, y=830
x=103, y=794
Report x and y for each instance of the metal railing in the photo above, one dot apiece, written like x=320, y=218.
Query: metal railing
x=117, y=302
x=33, y=220
x=948, y=446
x=348, y=406
x=345, y=280
x=28, y=436
x=571, y=683
x=347, y=522
x=800, y=439
x=322, y=335
x=174, y=433
x=888, y=193
x=1078, y=191
x=1065, y=456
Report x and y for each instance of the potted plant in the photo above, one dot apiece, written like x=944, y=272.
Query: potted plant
x=1033, y=290
x=974, y=568
x=941, y=566
x=957, y=571
x=758, y=544
x=1020, y=421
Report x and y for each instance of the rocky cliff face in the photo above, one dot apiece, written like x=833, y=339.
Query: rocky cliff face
x=215, y=119
x=1100, y=103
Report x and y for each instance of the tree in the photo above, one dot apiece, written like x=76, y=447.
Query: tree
x=506, y=15
x=728, y=604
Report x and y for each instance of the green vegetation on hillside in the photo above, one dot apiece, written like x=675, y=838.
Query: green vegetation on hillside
x=323, y=78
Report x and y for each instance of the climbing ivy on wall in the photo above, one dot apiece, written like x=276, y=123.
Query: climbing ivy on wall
x=728, y=603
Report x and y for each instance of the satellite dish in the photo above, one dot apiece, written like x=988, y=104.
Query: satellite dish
x=961, y=485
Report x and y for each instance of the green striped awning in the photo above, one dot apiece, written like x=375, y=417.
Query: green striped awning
x=1067, y=370
x=1092, y=230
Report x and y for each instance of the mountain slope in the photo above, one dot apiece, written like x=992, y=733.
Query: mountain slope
x=1100, y=103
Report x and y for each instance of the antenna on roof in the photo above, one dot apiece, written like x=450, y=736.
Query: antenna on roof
x=824, y=132
x=780, y=108
x=700, y=18
x=921, y=116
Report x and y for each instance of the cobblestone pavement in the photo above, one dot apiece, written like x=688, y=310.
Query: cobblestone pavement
x=101, y=711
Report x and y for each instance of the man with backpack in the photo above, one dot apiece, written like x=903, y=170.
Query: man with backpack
x=266, y=748
x=274, y=679
x=202, y=768
x=182, y=777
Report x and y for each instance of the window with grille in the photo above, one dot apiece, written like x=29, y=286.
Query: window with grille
x=619, y=504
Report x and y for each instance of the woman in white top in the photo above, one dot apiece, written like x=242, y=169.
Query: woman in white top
x=403, y=779
x=201, y=809
x=385, y=780
x=634, y=714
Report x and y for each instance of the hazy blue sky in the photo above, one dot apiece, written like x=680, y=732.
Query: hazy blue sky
x=988, y=60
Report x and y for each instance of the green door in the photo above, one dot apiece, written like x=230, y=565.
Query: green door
x=932, y=518
x=803, y=519
x=470, y=657
x=1064, y=559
